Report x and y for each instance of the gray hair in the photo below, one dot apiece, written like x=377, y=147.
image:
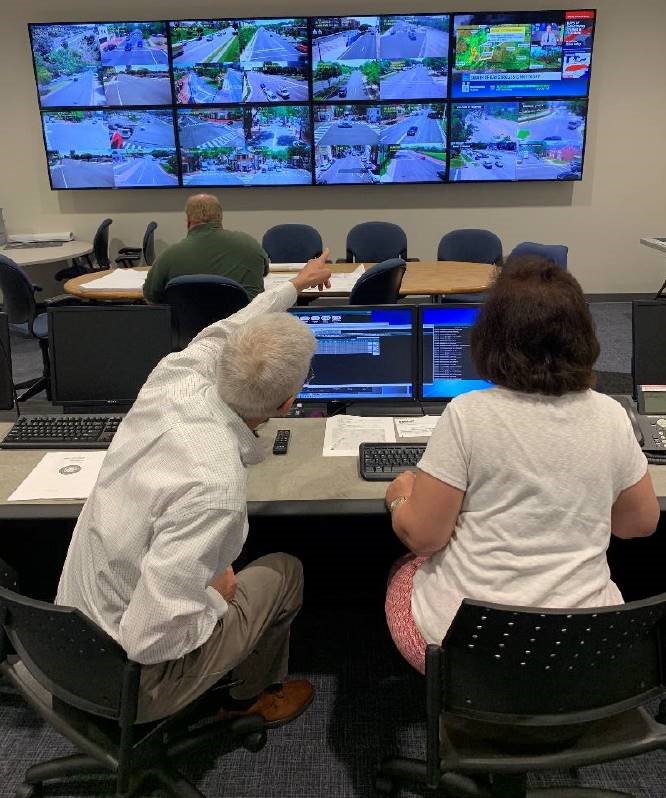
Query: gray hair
x=265, y=361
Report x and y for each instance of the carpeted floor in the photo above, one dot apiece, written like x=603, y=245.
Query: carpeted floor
x=368, y=704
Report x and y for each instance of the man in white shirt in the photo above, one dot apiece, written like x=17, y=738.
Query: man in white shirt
x=150, y=557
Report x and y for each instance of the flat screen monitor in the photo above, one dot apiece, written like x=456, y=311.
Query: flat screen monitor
x=362, y=353
x=446, y=364
x=6, y=379
x=648, y=362
x=101, y=356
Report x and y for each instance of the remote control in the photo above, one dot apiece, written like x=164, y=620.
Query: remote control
x=281, y=443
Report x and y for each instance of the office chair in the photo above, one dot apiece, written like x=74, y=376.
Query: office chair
x=86, y=264
x=473, y=246
x=513, y=690
x=292, y=243
x=29, y=317
x=380, y=284
x=57, y=649
x=131, y=256
x=555, y=252
x=375, y=242
x=198, y=300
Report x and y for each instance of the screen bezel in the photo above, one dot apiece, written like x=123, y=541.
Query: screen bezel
x=435, y=400
x=296, y=310
x=156, y=310
x=311, y=104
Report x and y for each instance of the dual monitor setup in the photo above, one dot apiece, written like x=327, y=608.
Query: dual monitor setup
x=101, y=356
x=389, y=99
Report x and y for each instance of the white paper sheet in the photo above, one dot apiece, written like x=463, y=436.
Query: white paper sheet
x=285, y=267
x=117, y=280
x=61, y=475
x=415, y=426
x=341, y=283
x=344, y=434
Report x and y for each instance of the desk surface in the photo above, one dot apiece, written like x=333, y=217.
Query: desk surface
x=433, y=278
x=32, y=256
x=302, y=482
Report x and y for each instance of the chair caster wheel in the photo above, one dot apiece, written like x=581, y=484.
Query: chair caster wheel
x=254, y=742
x=384, y=785
x=28, y=791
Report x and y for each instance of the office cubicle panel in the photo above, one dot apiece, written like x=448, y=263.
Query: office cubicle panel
x=648, y=353
x=101, y=356
x=6, y=380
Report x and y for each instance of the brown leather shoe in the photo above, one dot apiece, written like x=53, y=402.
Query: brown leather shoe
x=278, y=704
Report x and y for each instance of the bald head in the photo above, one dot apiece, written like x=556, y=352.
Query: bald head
x=203, y=209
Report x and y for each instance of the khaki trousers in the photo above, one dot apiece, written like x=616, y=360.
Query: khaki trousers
x=252, y=639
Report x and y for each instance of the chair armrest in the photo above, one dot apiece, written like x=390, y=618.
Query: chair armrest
x=129, y=251
x=412, y=260
x=61, y=299
x=36, y=287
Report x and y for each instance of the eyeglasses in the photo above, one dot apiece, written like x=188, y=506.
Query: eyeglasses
x=310, y=377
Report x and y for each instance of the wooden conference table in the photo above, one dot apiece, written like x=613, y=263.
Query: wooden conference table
x=34, y=256
x=300, y=483
x=431, y=278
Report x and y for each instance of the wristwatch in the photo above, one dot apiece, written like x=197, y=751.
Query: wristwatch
x=396, y=503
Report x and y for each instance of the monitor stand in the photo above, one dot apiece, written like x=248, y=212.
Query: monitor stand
x=384, y=409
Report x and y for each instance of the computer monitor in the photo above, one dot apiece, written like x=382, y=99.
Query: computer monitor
x=362, y=352
x=6, y=380
x=101, y=356
x=446, y=365
x=648, y=361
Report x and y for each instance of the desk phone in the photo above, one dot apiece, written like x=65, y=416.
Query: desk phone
x=649, y=423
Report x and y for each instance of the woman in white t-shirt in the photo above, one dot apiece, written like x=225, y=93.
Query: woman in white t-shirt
x=522, y=484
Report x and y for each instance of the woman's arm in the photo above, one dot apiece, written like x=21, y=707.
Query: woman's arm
x=635, y=513
x=426, y=520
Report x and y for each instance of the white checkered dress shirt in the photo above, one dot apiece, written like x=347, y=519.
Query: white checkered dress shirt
x=168, y=510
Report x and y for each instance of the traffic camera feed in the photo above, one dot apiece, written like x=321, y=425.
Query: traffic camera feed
x=388, y=58
x=323, y=100
x=110, y=149
x=103, y=64
x=240, y=60
x=245, y=146
x=517, y=54
x=529, y=140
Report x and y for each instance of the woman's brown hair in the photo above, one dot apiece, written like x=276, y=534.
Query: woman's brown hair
x=535, y=333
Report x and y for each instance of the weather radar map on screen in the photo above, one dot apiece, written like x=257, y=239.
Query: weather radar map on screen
x=348, y=100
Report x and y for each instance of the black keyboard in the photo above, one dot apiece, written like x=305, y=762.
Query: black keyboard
x=62, y=432
x=384, y=461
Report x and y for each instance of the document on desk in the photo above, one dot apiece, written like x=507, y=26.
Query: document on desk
x=285, y=267
x=340, y=283
x=344, y=434
x=61, y=475
x=415, y=426
x=117, y=280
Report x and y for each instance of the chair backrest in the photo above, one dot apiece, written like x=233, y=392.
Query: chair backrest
x=198, y=300
x=61, y=648
x=376, y=242
x=292, y=243
x=101, y=244
x=148, y=245
x=17, y=291
x=544, y=667
x=380, y=284
x=555, y=252
x=471, y=245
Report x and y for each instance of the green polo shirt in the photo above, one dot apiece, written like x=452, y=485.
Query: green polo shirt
x=208, y=249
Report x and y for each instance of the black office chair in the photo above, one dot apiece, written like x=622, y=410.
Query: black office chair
x=198, y=300
x=292, y=243
x=28, y=317
x=100, y=256
x=513, y=690
x=374, y=242
x=50, y=654
x=380, y=285
x=131, y=256
x=472, y=246
x=555, y=252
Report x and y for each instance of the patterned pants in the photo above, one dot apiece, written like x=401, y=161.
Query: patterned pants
x=398, y=607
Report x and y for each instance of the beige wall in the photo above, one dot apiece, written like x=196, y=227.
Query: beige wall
x=622, y=195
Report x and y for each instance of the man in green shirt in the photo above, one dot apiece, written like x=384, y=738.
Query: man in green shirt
x=208, y=249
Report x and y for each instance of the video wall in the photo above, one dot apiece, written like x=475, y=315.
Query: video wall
x=413, y=98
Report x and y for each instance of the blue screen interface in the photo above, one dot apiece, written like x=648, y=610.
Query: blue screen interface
x=446, y=364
